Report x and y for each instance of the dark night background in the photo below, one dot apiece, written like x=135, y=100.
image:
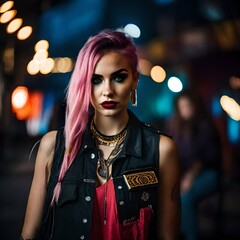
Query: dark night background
x=197, y=41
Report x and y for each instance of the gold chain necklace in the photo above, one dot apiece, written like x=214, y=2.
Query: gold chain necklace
x=108, y=140
x=115, y=141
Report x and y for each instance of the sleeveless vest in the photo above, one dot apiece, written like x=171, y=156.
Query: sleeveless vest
x=71, y=217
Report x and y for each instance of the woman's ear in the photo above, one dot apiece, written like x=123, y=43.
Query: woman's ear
x=135, y=80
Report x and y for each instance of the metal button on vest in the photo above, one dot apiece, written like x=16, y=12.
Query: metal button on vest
x=84, y=220
x=121, y=203
x=88, y=198
x=82, y=237
x=145, y=196
x=85, y=146
x=92, y=155
x=119, y=187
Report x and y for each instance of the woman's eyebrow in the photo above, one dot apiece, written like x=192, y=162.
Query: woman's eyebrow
x=112, y=74
x=119, y=71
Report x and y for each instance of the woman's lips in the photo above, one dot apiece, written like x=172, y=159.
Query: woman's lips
x=109, y=104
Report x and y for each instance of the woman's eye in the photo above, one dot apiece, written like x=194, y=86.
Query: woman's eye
x=119, y=77
x=96, y=80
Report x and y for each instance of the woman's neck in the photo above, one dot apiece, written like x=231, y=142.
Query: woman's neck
x=110, y=126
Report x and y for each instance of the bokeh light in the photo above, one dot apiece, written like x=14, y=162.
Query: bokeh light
x=175, y=84
x=7, y=16
x=231, y=107
x=132, y=30
x=24, y=33
x=158, y=74
x=41, y=45
x=14, y=25
x=6, y=6
x=40, y=56
x=63, y=65
x=145, y=66
x=33, y=67
x=46, y=66
x=19, y=97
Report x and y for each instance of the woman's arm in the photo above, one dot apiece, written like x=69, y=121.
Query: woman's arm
x=37, y=193
x=169, y=191
x=189, y=177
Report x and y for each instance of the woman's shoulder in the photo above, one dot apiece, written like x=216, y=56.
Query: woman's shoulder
x=48, y=141
x=45, y=154
x=166, y=142
x=167, y=149
x=153, y=129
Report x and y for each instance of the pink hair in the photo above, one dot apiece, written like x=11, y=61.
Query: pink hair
x=80, y=87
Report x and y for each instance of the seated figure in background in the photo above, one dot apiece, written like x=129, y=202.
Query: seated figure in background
x=200, y=153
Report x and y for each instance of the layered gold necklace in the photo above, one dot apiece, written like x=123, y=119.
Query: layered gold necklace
x=110, y=141
x=115, y=141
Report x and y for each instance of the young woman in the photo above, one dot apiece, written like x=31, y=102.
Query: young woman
x=106, y=175
x=199, y=154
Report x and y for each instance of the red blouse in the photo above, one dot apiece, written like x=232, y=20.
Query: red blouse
x=137, y=230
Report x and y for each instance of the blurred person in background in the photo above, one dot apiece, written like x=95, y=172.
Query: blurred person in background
x=106, y=175
x=199, y=150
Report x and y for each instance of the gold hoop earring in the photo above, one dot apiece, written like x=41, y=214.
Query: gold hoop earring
x=134, y=97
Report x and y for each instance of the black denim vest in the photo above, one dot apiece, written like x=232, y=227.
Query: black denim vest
x=71, y=217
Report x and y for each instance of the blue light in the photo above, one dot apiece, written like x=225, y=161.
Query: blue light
x=216, y=107
x=212, y=11
x=133, y=30
x=163, y=2
x=164, y=104
x=233, y=130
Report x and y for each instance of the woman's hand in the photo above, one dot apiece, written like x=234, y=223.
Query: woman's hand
x=186, y=182
x=188, y=178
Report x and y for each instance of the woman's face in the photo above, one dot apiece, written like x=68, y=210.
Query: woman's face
x=186, y=108
x=112, y=83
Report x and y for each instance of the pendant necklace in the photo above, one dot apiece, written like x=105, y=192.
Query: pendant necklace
x=103, y=166
x=115, y=141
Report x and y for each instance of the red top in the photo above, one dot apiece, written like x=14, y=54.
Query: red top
x=137, y=230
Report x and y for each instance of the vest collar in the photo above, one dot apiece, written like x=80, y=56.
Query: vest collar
x=133, y=141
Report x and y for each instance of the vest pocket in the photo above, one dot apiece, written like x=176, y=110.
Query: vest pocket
x=139, y=229
x=68, y=194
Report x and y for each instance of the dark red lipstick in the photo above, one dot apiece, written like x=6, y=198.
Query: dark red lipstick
x=109, y=104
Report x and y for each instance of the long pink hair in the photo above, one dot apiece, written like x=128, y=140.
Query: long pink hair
x=80, y=87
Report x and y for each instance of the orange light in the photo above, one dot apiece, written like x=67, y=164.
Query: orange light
x=7, y=16
x=6, y=6
x=36, y=99
x=158, y=74
x=145, y=66
x=24, y=32
x=14, y=25
x=23, y=113
x=19, y=97
x=20, y=102
x=41, y=45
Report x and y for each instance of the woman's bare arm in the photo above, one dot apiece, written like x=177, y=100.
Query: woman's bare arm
x=37, y=193
x=169, y=190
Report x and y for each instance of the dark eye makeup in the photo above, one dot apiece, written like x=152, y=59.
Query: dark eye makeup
x=118, y=76
x=96, y=79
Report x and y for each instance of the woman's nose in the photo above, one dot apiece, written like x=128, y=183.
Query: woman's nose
x=107, y=88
